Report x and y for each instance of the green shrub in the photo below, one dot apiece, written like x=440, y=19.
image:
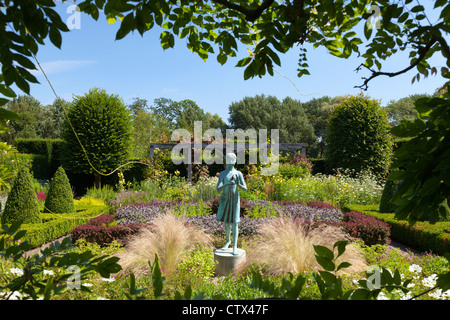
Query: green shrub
x=59, y=198
x=22, y=203
x=358, y=136
x=289, y=170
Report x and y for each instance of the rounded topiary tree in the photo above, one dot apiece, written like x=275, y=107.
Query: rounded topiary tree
x=103, y=130
x=22, y=203
x=59, y=197
x=358, y=136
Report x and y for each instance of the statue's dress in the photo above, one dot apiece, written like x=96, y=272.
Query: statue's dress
x=229, y=206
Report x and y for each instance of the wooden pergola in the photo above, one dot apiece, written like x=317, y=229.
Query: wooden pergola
x=225, y=147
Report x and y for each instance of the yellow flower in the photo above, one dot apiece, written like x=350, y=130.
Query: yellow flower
x=176, y=172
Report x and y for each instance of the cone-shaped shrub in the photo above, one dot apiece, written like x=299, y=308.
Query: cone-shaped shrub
x=22, y=203
x=59, y=198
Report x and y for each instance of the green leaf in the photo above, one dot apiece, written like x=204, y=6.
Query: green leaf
x=48, y=289
x=343, y=265
x=325, y=263
x=324, y=252
x=55, y=37
x=157, y=278
x=341, y=247
x=222, y=58
x=7, y=91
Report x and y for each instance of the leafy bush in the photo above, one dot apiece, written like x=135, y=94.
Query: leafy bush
x=105, y=193
x=289, y=170
x=386, y=205
x=100, y=230
x=22, y=203
x=59, y=198
x=358, y=136
x=372, y=231
x=196, y=267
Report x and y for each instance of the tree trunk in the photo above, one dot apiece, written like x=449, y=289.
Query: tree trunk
x=98, y=181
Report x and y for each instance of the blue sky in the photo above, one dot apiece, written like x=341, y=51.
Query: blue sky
x=138, y=67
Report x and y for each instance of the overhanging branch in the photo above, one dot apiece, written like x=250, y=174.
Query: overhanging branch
x=250, y=15
x=423, y=52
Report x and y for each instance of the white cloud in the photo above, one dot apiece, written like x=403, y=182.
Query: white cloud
x=58, y=66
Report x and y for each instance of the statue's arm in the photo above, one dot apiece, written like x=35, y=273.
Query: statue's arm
x=220, y=185
x=242, y=184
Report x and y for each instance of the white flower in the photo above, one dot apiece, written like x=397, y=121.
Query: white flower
x=101, y=298
x=415, y=268
x=87, y=284
x=430, y=281
x=110, y=279
x=382, y=296
x=411, y=285
x=48, y=272
x=406, y=296
x=446, y=294
x=16, y=271
x=14, y=296
x=436, y=294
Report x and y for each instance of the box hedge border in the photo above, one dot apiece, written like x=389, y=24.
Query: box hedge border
x=55, y=226
x=423, y=236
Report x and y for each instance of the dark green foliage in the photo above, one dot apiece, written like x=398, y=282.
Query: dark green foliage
x=59, y=198
x=386, y=205
x=103, y=126
x=358, y=136
x=421, y=165
x=267, y=112
x=47, y=155
x=22, y=203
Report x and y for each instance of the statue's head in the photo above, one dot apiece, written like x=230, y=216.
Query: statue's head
x=230, y=158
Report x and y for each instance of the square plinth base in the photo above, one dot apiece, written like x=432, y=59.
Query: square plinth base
x=227, y=262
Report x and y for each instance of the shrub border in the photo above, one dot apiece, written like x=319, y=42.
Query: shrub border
x=58, y=225
x=423, y=236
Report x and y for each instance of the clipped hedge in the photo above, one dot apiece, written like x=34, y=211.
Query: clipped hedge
x=49, y=155
x=54, y=226
x=423, y=236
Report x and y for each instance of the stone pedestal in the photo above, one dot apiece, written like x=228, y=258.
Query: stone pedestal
x=227, y=262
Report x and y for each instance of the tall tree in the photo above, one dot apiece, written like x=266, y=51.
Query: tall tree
x=261, y=112
x=403, y=109
x=32, y=115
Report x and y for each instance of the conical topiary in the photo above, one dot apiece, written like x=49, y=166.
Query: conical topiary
x=22, y=203
x=59, y=197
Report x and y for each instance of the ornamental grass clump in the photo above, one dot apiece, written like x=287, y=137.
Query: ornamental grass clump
x=167, y=236
x=285, y=245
